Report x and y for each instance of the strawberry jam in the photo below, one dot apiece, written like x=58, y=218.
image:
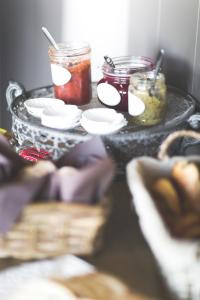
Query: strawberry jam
x=78, y=89
x=71, y=72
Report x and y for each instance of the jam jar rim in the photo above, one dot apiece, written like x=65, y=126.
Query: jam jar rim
x=70, y=49
x=124, y=70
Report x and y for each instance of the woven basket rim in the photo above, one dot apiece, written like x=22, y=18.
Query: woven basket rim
x=56, y=228
x=63, y=207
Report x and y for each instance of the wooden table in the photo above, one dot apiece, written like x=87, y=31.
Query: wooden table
x=125, y=253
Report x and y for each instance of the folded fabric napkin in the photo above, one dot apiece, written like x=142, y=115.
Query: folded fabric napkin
x=82, y=176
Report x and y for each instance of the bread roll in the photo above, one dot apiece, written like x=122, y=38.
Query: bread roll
x=188, y=178
x=187, y=226
x=163, y=188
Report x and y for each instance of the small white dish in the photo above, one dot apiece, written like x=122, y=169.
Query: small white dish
x=61, y=117
x=102, y=121
x=36, y=106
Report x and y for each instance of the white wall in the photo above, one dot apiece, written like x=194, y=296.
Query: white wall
x=24, y=48
x=139, y=27
x=105, y=24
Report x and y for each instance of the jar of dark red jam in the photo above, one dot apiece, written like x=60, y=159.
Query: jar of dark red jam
x=71, y=72
x=112, y=89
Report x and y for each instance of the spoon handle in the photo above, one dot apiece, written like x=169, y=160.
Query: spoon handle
x=50, y=38
x=157, y=69
x=159, y=62
x=109, y=61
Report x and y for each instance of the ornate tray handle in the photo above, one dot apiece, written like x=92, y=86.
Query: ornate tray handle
x=194, y=121
x=14, y=90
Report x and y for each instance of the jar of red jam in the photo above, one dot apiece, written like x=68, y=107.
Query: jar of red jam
x=71, y=72
x=112, y=89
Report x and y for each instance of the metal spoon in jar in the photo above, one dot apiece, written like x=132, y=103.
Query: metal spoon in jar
x=157, y=69
x=109, y=61
x=50, y=38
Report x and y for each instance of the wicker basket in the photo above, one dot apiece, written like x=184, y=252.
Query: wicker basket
x=179, y=259
x=51, y=229
x=162, y=155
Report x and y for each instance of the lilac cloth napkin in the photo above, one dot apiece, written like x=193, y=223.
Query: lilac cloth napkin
x=87, y=184
x=13, y=197
x=84, y=154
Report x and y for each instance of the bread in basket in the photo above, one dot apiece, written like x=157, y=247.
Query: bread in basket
x=179, y=258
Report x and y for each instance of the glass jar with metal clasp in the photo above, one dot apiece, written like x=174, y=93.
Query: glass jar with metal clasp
x=112, y=89
x=147, y=101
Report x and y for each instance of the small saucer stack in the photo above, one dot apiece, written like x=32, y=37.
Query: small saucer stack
x=102, y=121
x=55, y=114
x=61, y=117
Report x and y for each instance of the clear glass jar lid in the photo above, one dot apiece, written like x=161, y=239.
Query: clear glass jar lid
x=127, y=65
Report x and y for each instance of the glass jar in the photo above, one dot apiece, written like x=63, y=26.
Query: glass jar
x=71, y=72
x=112, y=89
x=147, y=98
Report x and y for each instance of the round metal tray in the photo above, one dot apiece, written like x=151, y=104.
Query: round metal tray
x=131, y=141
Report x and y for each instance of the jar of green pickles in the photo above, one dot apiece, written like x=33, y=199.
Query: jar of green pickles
x=147, y=98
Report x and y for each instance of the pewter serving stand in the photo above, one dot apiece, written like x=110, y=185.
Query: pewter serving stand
x=131, y=141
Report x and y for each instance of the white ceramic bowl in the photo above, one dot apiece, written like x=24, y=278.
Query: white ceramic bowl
x=61, y=117
x=36, y=106
x=102, y=120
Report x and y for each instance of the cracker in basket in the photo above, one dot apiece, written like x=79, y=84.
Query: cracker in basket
x=188, y=179
x=164, y=189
